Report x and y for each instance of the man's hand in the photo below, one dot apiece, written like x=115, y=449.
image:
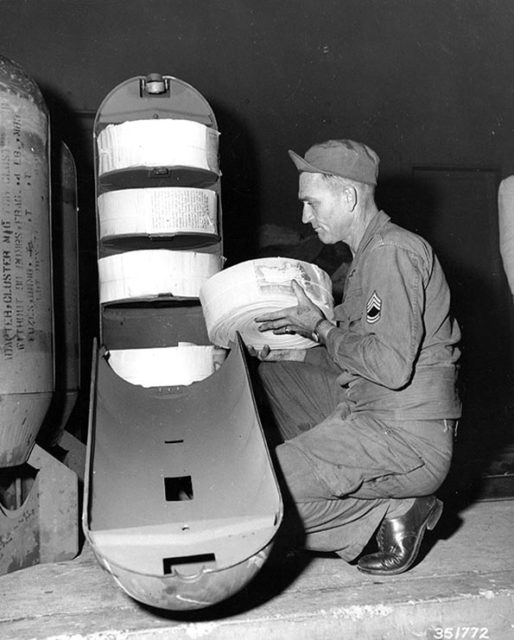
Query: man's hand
x=273, y=355
x=300, y=319
x=263, y=354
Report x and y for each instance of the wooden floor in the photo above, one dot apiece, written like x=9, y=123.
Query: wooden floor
x=462, y=588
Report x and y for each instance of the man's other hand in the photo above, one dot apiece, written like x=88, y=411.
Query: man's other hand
x=273, y=355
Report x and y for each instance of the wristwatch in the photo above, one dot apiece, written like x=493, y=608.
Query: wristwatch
x=315, y=335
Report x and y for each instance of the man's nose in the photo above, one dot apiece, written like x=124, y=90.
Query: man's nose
x=306, y=214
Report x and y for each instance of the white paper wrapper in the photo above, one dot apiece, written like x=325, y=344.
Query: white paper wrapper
x=154, y=272
x=158, y=143
x=156, y=211
x=233, y=298
x=166, y=366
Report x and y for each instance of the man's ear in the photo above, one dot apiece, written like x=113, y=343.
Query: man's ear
x=350, y=196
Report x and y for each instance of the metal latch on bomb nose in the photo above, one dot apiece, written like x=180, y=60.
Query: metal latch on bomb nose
x=154, y=85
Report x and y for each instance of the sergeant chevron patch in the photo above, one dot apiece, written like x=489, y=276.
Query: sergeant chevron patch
x=373, y=308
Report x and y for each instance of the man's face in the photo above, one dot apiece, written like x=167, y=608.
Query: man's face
x=324, y=208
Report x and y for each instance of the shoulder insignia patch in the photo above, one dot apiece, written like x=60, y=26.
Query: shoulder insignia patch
x=373, y=308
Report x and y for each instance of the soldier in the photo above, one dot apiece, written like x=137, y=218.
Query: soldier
x=367, y=417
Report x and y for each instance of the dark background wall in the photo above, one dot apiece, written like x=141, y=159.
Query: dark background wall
x=422, y=81
x=426, y=83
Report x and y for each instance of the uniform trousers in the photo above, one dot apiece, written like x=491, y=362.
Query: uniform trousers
x=343, y=469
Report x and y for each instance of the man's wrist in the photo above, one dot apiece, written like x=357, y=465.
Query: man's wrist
x=321, y=330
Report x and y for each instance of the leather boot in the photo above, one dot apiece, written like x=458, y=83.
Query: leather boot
x=399, y=539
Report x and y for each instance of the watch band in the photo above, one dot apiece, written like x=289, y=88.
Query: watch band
x=315, y=335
